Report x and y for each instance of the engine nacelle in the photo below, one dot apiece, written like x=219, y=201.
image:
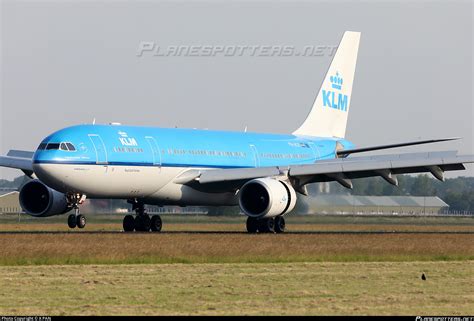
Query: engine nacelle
x=266, y=197
x=37, y=199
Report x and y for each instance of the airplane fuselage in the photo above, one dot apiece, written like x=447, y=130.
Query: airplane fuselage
x=114, y=161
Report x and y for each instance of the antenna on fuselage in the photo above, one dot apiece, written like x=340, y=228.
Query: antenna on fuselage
x=245, y=130
x=93, y=121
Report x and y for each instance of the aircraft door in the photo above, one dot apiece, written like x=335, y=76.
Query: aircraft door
x=100, y=151
x=315, y=150
x=155, y=150
x=255, y=155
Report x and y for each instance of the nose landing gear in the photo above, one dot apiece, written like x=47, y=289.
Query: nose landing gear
x=142, y=221
x=76, y=219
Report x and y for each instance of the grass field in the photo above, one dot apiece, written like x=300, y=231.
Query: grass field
x=81, y=248
x=235, y=273
x=123, y=248
x=361, y=288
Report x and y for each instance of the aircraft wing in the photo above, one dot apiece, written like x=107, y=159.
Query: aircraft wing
x=340, y=170
x=20, y=160
x=347, y=152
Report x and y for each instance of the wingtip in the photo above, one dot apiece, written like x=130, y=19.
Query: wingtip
x=448, y=139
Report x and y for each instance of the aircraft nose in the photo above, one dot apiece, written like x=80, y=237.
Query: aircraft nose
x=50, y=174
x=43, y=171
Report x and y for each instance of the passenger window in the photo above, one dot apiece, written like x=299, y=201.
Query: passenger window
x=71, y=147
x=52, y=146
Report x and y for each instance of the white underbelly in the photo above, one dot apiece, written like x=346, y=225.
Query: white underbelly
x=104, y=181
x=152, y=183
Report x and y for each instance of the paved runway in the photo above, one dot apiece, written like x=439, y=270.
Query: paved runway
x=236, y=232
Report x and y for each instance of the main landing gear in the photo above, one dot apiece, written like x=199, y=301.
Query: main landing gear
x=142, y=222
x=266, y=225
x=76, y=219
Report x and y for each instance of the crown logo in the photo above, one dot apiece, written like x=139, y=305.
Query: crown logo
x=336, y=81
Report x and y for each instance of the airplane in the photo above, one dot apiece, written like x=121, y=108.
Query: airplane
x=262, y=173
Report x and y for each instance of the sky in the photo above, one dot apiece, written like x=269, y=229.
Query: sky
x=70, y=62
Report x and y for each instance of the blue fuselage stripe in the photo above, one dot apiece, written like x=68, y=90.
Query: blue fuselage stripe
x=172, y=147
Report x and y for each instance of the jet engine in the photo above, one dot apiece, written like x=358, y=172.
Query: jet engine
x=266, y=197
x=39, y=200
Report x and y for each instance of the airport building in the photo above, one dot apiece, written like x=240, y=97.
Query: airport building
x=9, y=202
x=394, y=205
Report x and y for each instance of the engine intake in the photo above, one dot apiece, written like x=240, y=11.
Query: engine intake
x=266, y=197
x=37, y=199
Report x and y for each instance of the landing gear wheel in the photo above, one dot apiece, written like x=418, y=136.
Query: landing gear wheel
x=142, y=223
x=146, y=223
x=280, y=224
x=81, y=221
x=252, y=226
x=138, y=224
x=156, y=223
x=71, y=221
x=142, y=219
x=128, y=223
x=267, y=225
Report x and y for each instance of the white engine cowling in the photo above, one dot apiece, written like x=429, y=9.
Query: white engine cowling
x=37, y=199
x=266, y=197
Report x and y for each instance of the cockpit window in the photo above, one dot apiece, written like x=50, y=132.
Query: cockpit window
x=42, y=146
x=52, y=146
x=68, y=147
x=71, y=147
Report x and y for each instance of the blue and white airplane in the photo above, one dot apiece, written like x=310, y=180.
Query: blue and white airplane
x=262, y=173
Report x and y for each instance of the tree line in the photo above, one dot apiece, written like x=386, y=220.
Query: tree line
x=457, y=192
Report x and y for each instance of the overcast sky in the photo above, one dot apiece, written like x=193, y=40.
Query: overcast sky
x=65, y=63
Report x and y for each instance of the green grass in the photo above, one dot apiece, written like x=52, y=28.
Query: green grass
x=238, y=274
x=360, y=288
x=143, y=248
